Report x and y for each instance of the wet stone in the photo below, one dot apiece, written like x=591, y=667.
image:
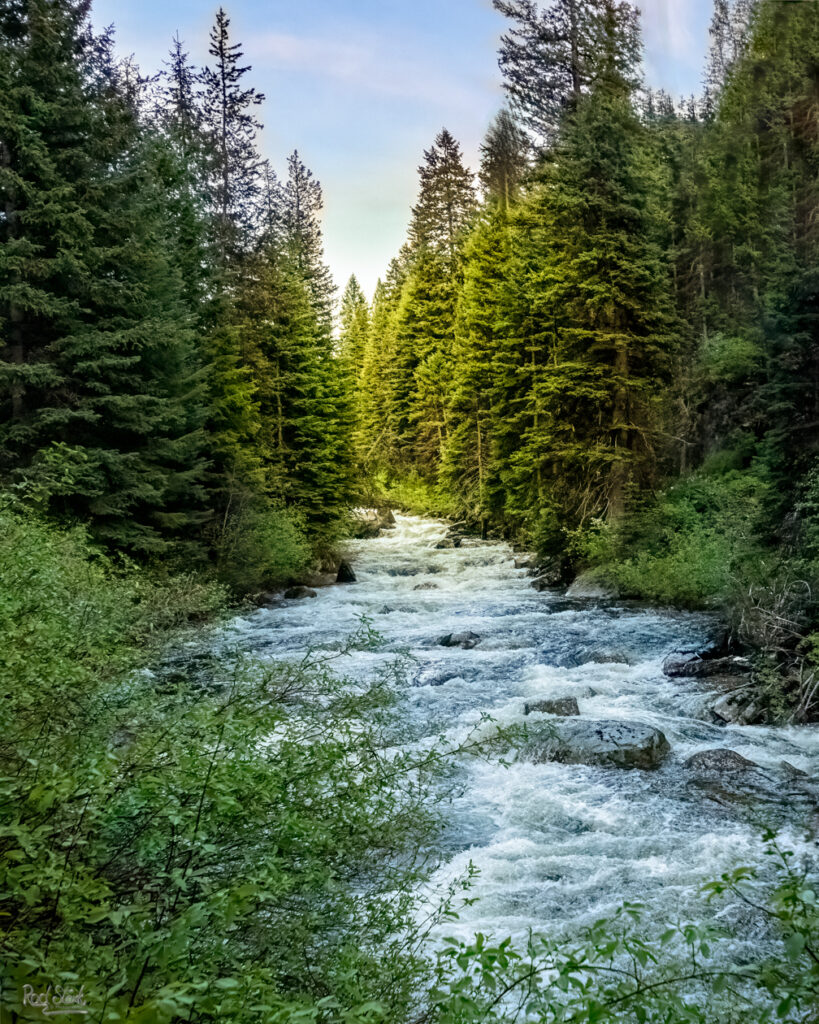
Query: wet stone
x=720, y=759
x=562, y=707
x=465, y=640
x=610, y=744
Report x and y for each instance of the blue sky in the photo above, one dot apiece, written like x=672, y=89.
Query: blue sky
x=361, y=87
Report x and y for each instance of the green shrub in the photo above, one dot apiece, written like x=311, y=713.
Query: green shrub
x=245, y=848
x=261, y=547
x=690, y=546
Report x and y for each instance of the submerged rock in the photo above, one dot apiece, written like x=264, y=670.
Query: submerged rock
x=526, y=562
x=563, y=707
x=298, y=593
x=346, y=574
x=590, y=587
x=465, y=640
x=608, y=743
x=453, y=541
x=720, y=759
x=433, y=677
x=425, y=586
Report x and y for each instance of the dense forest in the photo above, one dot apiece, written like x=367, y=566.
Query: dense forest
x=603, y=347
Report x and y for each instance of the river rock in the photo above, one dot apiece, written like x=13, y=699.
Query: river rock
x=608, y=743
x=545, y=582
x=792, y=770
x=548, y=573
x=465, y=640
x=562, y=707
x=720, y=759
x=365, y=524
x=526, y=562
x=693, y=666
x=736, y=708
x=453, y=541
x=298, y=593
x=386, y=519
x=589, y=586
x=346, y=574
x=425, y=586
x=437, y=677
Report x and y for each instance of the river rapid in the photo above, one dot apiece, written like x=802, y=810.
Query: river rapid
x=557, y=846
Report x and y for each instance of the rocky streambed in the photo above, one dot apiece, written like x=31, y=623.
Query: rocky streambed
x=629, y=782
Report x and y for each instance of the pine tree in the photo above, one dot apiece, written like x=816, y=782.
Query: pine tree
x=504, y=160
x=552, y=55
x=302, y=203
x=102, y=390
x=230, y=126
x=603, y=299
x=425, y=319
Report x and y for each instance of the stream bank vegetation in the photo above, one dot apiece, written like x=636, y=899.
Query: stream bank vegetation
x=248, y=842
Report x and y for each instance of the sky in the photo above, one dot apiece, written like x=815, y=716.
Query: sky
x=361, y=88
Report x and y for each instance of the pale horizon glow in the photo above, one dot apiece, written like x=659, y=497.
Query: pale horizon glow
x=362, y=88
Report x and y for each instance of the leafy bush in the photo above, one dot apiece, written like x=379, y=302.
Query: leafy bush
x=627, y=969
x=261, y=547
x=690, y=546
x=238, y=847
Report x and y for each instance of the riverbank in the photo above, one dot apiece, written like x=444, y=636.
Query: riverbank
x=159, y=852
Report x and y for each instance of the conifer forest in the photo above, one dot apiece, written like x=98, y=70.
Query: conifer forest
x=441, y=655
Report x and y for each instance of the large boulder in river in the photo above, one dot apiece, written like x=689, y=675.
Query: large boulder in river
x=298, y=593
x=719, y=759
x=465, y=640
x=346, y=574
x=590, y=587
x=561, y=707
x=692, y=666
x=608, y=743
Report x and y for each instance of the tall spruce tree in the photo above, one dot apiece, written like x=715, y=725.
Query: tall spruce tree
x=230, y=126
x=604, y=289
x=552, y=55
x=504, y=160
x=425, y=319
x=101, y=387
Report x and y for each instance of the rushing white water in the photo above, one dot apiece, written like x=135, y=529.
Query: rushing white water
x=556, y=845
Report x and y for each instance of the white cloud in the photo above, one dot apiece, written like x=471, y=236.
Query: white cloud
x=371, y=65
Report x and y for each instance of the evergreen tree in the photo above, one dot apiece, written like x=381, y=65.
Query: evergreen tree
x=230, y=126
x=552, y=55
x=102, y=391
x=504, y=160
x=301, y=205
x=596, y=332
x=425, y=319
